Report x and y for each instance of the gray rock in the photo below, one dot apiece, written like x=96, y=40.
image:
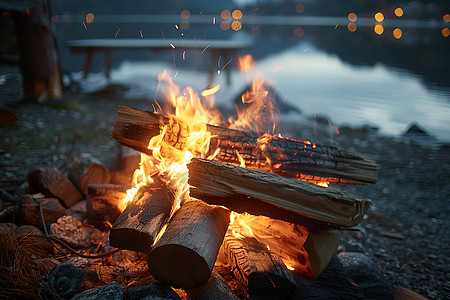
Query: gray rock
x=111, y=291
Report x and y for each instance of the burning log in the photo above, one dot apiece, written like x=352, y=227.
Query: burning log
x=138, y=226
x=262, y=193
x=104, y=203
x=260, y=272
x=303, y=251
x=86, y=169
x=186, y=253
x=290, y=158
x=52, y=183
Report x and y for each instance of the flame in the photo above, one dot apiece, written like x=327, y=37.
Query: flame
x=245, y=62
x=322, y=183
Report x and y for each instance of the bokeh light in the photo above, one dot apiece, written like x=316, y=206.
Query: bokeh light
x=352, y=27
x=89, y=18
x=225, y=14
x=236, y=25
x=299, y=8
x=185, y=25
x=185, y=14
x=446, y=18
x=299, y=32
x=256, y=30
x=379, y=29
x=379, y=17
x=445, y=32
x=398, y=12
x=225, y=25
x=397, y=33
x=237, y=14
x=352, y=17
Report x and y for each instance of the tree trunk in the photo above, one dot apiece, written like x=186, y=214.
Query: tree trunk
x=138, y=226
x=290, y=158
x=39, y=58
x=185, y=255
x=86, y=169
x=262, y=193
x=104, y=203
x=261, y=272
x=53, y=183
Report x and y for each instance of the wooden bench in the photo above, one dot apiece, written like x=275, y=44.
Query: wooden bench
x=215, y=48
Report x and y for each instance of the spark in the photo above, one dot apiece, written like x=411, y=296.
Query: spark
x=200, y=12
x=335, y=27
x=162, y=33
x=218, y=72
x=292, y=54
x=140, y=31
x=117, y=32
x=176, y=74
x=218, y=61
x=284, y=99
x=176, y=26
x=158, y=105
x=171, y=45
x=210, y=91
x=205, y=48
x=335, y=127
x=214, y=20
x=173, y=56
x=304, y=51
x=154, y=109
x=227, y=63
x=184, y=55
x=84, y=24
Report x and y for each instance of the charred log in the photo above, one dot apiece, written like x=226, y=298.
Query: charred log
x=186, y=253
x=261, y=272
x=290, y=158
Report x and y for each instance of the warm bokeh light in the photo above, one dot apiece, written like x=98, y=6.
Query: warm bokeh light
x=185, y=25
x=379, y=17
x=237, y=14
x=445, y=32
x=256, y=30
x=236, y=25
x=225, y=25
x=185, y=14
x=397, y=33
x=352, y=17
x=89, y=18
x=446, y=18
x=398, y=12
x=225, y=14
x=299, y=8
x=379, y=29
x=299, y=32
x=351, y=27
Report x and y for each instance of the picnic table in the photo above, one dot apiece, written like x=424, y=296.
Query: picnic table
x=215, y=48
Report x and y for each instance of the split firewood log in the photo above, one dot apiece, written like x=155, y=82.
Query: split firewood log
x=261, y=193
x=86, y=169
x=32, y=205
x=261, y=272
x=105, y=203
x=290, y=158
x=138, y=226
x=185, y=254
x=53, y=183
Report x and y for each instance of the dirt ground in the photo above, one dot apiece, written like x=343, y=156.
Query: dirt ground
x=405, y=232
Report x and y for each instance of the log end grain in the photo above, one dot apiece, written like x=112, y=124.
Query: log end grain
x=178, y=266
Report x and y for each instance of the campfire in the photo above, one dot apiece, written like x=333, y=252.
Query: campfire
x=210, y=194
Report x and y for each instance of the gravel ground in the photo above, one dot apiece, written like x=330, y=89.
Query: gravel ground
x=405, y=232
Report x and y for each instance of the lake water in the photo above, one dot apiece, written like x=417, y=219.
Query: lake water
x=315, y=64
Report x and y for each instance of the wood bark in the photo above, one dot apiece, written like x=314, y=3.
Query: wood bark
x=53, y=183
x=185, y=255
x=262, y=193
x=215, y=288
x=39, y=57
x=261, y=272
x=87, y=169
x=124, y=165
x=304, y=251
x=104, y=203
x=290, y=158
x=138, y=226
